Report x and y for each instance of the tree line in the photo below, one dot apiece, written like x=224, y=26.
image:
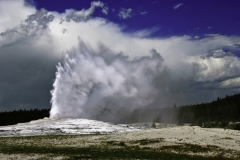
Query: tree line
x=218, y=113
x=21, y=116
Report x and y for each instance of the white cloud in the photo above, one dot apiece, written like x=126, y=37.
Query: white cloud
x=95, y=4
x=187, y=62
x=177, y=6
x=196, y=37
x=125, y=13
x=145, y=32
x=230, y=83
x=13, y=12
x=105, y=10
x=216, y=69
x=84, y=14
x=143, y=12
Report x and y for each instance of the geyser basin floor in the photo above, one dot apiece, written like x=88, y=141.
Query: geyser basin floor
x=184, y=142
x=63, y=126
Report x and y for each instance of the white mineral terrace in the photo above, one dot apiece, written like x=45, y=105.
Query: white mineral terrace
x=63, y=126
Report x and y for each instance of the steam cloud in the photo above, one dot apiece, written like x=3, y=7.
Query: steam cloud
x=92, y=80
x=87, y=83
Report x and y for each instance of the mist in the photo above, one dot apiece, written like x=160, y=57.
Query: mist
x=100, y=85
x=105, y=68
x=104, y=85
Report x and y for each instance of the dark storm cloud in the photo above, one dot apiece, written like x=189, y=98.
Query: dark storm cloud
x=28, y=57
x=26, y=69
x=26, y=77
x=192, y=70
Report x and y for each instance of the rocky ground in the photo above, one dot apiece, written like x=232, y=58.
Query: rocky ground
x=180, y=142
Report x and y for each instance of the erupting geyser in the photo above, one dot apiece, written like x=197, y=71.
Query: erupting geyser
x=88, y=83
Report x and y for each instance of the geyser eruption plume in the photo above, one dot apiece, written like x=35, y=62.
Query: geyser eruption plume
x=98, y=85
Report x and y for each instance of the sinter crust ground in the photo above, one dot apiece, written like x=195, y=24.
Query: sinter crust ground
x=189, y=142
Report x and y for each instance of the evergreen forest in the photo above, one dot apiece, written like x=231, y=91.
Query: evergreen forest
x=220, y=113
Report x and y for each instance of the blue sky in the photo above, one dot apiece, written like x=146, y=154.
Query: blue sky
x=136, y=53
x=173, y=17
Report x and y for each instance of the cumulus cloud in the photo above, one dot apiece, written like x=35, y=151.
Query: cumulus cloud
x=216, y=68
x=112, y=67
x=84, y=14
x=27, y=68
x=8, y=9
x=177, y=6
x=125, y=13
x=220, y=53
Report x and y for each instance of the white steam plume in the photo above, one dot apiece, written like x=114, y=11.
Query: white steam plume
x=87, y=83
x=32, y=41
